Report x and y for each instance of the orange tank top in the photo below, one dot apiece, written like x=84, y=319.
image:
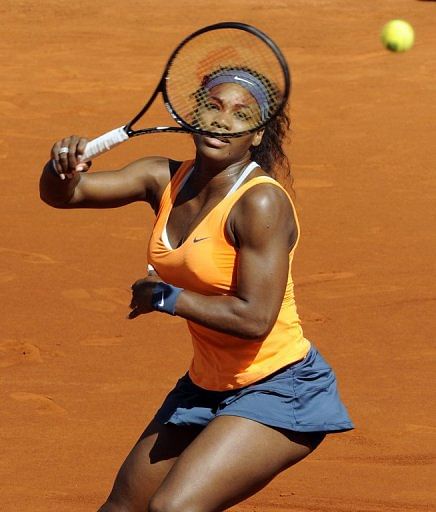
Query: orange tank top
x=205, y=263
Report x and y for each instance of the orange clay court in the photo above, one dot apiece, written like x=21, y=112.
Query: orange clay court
x=79, y=382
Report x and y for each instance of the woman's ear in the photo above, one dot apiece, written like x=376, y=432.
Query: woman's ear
x=257, y=139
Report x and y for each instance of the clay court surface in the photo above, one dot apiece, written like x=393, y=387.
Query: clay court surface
x=78, y=382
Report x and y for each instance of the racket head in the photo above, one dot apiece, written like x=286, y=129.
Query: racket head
x=217, y=59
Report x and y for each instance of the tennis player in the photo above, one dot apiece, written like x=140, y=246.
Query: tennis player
x=258, y=396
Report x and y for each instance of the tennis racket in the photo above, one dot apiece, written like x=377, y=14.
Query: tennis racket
x=227, y=51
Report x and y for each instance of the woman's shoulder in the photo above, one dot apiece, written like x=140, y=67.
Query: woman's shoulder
x=263, y=193
x=263, y=203
x=158, y=166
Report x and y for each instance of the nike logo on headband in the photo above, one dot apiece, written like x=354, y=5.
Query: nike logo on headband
x=243, y=80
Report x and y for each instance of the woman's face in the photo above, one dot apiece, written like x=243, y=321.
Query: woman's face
x=229, y=108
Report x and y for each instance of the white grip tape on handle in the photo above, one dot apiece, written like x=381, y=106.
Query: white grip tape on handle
x=103, y=143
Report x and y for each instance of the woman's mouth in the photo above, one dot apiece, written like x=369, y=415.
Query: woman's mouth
x=215, y=142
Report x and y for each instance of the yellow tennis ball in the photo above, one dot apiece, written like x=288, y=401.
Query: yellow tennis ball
x=398, y=36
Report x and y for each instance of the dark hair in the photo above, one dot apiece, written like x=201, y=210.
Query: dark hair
x=270, y=154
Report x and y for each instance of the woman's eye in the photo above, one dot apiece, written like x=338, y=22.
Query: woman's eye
x=211, y=106
x=243, y=116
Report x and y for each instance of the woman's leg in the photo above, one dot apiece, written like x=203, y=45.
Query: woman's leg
x=147, y=465
x=229, y=461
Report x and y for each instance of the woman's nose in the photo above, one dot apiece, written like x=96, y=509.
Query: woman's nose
x=222, y=121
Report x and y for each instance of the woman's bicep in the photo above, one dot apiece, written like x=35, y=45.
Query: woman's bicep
x=110, y=189
x=264, y=226
x=261, y=278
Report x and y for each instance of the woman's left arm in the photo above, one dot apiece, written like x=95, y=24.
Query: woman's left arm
x=263, y=226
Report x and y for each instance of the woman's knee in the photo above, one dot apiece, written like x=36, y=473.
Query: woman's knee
x=161, y=502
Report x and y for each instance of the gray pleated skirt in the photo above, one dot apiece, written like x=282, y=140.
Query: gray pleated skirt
x=301, y=397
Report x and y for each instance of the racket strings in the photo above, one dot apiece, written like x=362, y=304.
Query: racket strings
x=229, y=56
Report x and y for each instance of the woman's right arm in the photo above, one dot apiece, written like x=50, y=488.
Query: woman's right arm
x=65, y=184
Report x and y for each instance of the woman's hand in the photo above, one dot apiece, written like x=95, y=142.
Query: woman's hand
x=142, y=290
x=66, y=155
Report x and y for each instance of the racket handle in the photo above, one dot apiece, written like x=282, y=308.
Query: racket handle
x=104, y=143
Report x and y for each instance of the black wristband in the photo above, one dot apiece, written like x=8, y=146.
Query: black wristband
x=164, y=297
